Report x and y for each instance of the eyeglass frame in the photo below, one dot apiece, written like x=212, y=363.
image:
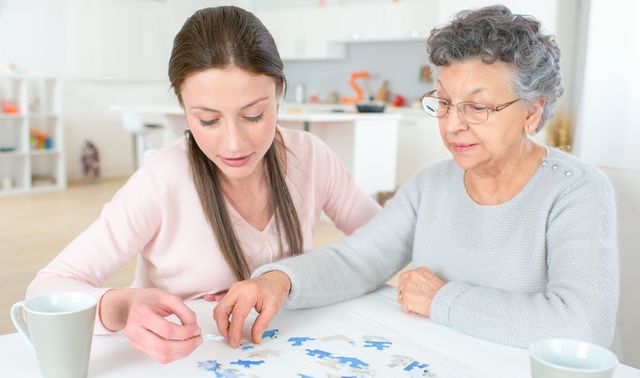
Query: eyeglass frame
x=497, y=108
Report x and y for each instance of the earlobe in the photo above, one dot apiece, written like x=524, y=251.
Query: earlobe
x=534, y=116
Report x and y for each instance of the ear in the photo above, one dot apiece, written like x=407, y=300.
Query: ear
x=534, y=116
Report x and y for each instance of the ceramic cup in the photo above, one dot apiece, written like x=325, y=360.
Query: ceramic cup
x=59, y=327
x=565, y=358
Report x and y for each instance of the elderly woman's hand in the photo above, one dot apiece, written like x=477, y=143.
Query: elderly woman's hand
x=416, y=290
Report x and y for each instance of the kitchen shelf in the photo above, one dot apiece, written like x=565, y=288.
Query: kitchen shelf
x=25, y=168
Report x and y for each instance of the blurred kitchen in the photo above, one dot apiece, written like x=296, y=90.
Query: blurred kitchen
x=84, y=96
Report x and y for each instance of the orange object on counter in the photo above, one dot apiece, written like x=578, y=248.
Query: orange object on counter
x=9, y=107
x=352, y=81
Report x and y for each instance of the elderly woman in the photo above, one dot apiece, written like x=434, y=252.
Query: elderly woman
x=511, y=241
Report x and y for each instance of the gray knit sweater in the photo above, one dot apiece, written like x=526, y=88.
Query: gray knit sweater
x=542, y=265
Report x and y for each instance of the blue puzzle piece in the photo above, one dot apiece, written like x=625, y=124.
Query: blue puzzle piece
x=271, y=333
x=318, y=353
x=298, y=341
x=247, y=363
x=379, y=345
x=415, y=365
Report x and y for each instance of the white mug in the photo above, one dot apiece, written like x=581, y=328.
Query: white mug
x=60, y=330
x=565, y=358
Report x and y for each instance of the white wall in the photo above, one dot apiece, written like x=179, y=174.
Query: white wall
x=626, y=184
x=608, y=124
x=106, y=51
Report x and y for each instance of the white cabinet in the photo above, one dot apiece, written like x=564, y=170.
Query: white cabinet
x=303, y=33
x=388, y=21
x=419, y=144
x=31, y=135
x=320, y=32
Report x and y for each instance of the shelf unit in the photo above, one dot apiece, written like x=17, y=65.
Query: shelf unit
x=31, y=138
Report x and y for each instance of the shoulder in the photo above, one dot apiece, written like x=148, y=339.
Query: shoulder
x=166, y=167
x=441, y=173
x=301, y=142
x=306, y=151
x=568, y=173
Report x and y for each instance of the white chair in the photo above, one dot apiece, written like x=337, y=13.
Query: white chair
x=132, y=122
x=626, y=183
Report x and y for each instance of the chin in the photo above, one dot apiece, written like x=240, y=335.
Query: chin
x=464, y=162
x=237, y=173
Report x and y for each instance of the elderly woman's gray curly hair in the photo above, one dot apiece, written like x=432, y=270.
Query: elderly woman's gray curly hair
x=494, y=33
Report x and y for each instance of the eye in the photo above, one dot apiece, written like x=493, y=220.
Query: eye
x=209, y=122
x=443, y=103
x=257, y=118
x=478, y=108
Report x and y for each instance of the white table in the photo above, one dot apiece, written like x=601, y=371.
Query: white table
x=367, y=143
x=450, y=353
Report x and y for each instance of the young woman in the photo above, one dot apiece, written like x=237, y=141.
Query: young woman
x=235, y=193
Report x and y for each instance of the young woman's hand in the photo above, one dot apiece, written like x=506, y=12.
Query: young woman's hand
x=416, y=290
x=141, y=313
x=266, y=293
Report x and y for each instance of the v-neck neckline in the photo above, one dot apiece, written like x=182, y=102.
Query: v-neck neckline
x=240, y=218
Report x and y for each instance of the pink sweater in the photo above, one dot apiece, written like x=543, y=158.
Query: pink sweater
x=157, y=216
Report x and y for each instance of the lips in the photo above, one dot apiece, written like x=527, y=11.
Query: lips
x=462, y=147
x=236, y=161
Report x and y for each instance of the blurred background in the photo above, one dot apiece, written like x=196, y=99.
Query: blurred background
x=84, y=95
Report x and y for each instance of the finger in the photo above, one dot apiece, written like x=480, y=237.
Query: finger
x=176, y=306
x=262, y=322
x=209, y=297
x=221, y=314
x=164, y=350
x=219, y=297
x=238, y=315
x=402, y=278
x=169, y=330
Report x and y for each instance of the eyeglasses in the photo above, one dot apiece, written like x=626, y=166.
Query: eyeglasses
x=470, y=112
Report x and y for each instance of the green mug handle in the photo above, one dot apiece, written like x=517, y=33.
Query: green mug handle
x=19, y=323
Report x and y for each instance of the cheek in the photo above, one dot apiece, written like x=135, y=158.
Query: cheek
x=265, y=131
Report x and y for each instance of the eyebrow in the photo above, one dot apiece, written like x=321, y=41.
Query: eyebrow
x=244, y=107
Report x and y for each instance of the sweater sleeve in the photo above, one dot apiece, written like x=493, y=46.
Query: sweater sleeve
x=358, y=264
x=344, y=203
x=581, y=298
x=124, y=228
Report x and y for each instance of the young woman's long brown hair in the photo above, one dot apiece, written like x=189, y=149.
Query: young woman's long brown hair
x=217, y=38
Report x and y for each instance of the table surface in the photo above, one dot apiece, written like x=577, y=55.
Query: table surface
x=344, y=327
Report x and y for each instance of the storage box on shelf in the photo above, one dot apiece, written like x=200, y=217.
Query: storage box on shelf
x=31, y=134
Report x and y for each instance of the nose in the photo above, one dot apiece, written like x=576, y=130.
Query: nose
x=234, y=137
x=453, y=121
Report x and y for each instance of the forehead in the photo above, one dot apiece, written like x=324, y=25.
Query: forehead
x=465, y=78
x=225, y=89
x=228, y=80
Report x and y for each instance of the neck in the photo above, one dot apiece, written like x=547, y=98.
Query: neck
x=254, y=183
x=502, y=180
